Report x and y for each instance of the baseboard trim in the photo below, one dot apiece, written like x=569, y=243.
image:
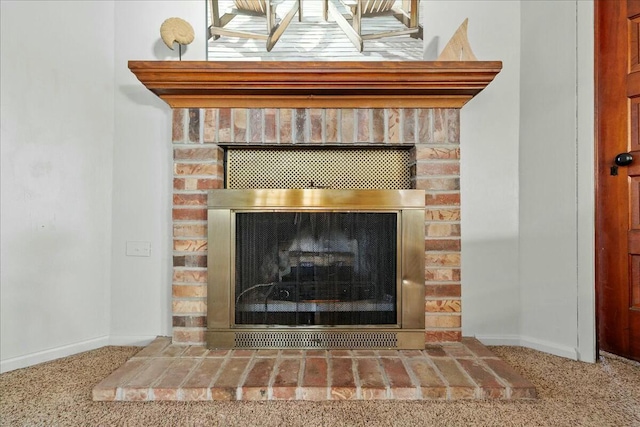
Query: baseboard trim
x=52, y=354
x=509, y=340
x=131, y=340
x=143, y=340
x=529, y=342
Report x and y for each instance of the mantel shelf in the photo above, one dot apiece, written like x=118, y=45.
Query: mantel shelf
x=298, y=84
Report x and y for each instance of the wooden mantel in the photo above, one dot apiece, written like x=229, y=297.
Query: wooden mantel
x=301, y=84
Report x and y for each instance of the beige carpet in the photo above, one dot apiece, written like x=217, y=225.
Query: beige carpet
x=570, y=394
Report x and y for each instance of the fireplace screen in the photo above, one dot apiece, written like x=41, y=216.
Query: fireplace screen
x=316, y=268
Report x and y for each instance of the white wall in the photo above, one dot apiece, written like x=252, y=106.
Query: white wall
x=56, y=149
x=527, y=167
x=142, y=170
x=556, y=202
x=67, y=196
x=489, y=165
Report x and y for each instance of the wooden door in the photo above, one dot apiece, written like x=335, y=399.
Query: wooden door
x=617, y=85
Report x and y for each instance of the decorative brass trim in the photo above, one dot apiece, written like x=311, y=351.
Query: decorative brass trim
x=412, y=272
x=219, y=266
x=223, y=204
x=316, y=199
x=305, y=338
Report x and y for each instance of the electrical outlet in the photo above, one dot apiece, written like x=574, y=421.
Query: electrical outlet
x=138, y=248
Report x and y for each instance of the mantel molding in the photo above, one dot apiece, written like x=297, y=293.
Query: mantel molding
x=302, y=84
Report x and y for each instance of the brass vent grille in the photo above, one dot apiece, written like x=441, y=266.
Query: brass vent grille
x=309, y=168
x=316, y=340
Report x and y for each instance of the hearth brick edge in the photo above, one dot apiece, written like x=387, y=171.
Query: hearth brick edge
x=432, y=135
x=448, y=371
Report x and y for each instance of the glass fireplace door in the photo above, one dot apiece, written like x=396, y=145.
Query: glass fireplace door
x=310, y=269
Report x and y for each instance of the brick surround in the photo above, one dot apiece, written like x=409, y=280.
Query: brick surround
x=433, y=137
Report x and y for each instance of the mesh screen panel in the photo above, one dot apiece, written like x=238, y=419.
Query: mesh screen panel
x=309, y=168
x=316, y=268
x=316, y=339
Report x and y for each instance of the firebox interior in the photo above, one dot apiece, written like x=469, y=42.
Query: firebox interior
x=316, y=268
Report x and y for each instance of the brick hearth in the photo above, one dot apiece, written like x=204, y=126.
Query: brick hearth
x=432, y=135
x=164, y=371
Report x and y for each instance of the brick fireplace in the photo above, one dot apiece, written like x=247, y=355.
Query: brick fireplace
x=418, y=110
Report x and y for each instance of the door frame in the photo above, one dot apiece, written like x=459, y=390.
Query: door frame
x=603, y=239
x=586, y=181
